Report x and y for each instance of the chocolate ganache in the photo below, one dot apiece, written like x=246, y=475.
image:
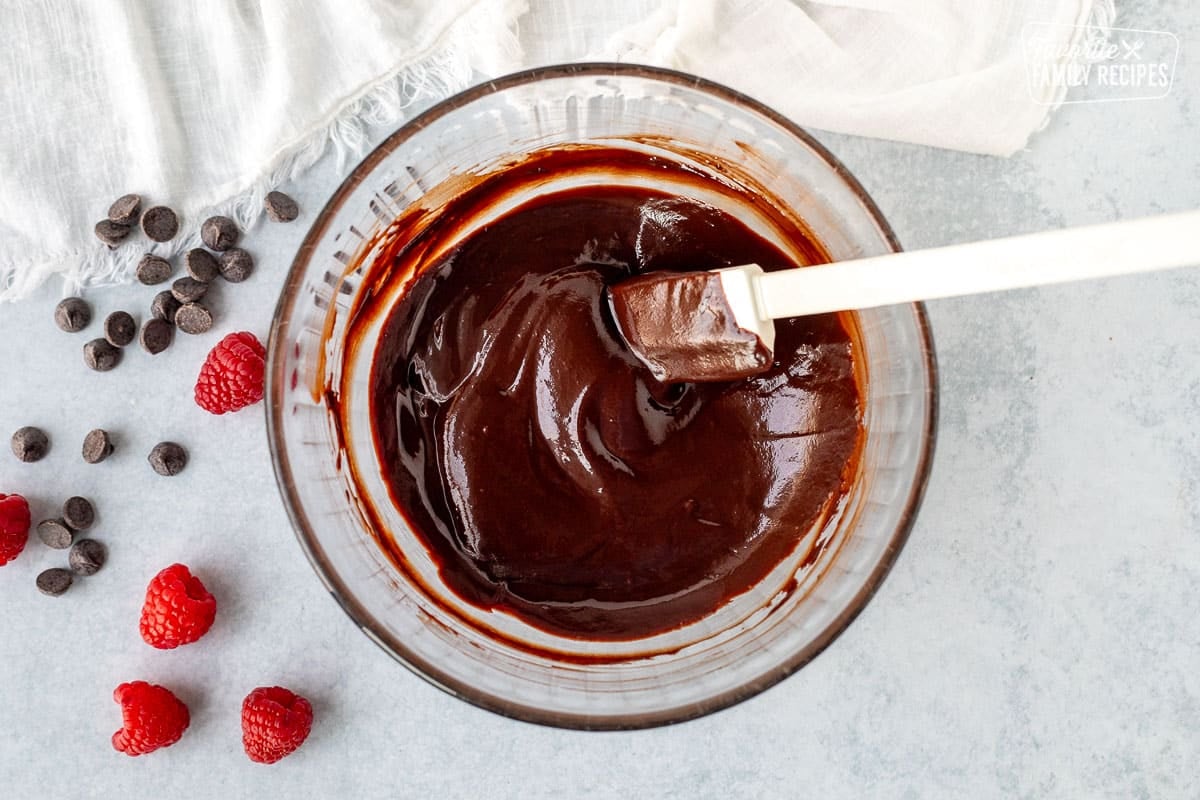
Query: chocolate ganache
x=546, y=470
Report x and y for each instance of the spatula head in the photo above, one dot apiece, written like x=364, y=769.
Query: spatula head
x=687, y=326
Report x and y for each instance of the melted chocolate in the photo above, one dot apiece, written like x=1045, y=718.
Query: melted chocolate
x=547, y=471
x=682, y=327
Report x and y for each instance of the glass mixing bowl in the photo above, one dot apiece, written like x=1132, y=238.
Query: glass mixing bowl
x=330, y=477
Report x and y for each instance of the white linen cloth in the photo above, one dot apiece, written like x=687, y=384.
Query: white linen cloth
x=205, y=105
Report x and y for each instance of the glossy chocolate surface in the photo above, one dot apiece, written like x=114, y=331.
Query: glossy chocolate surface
x=683, y=328
x=547, y=471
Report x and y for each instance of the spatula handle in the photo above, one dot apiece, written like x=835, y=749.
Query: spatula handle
x=1039, y=259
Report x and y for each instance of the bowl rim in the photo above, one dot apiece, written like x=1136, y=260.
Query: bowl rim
x=342, y=594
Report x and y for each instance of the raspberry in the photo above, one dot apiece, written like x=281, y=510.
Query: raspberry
x=14, y=526
x=178, y=609
x=232, y=375
x=275, y=722
x=152, y=717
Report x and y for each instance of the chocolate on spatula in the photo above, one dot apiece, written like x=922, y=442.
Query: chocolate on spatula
x=684, y=329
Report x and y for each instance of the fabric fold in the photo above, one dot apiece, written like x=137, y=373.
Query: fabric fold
x=205, y=105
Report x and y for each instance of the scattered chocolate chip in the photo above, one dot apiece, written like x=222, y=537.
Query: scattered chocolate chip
x=153, y=269
x=72, y=314
x=189, y=290
x=219, y=233
x=87, y=556
x=78, y=513
x=125, y=209
x=164, y=306
x=119, y=328
x=236, y=265
x=160, y=223
x=97, y=446
x=280, y=207
x=201, y=265
x=111, y=233
x=54, y=581
x=168, y=458
x=55, y=533
x=193, y=318
x=156, y=335
x=101, y=356
x=30, y=444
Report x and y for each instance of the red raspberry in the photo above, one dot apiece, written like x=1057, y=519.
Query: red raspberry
x=152, y=717
x=232, y=375
x=178, y=609
x=14, y=526
x=275, y=722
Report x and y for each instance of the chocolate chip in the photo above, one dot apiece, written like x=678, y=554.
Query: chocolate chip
x=78, y=513
x=219, y=233
x=236, y=265
x=54, y=581
x=125, y=209
x=111, y=233
x=156, y=335
x=164, y=306
x=160, y=223
x=72, y=314
x=189, y=290
x=30, y=444
x=55, y=533
x=280, y=207
x=193, y=318
x=87, y=556
x=101, y=356
x=119, y=328
x=201, y=265
x=153, y=269
x=97, y=446
x=167, y=458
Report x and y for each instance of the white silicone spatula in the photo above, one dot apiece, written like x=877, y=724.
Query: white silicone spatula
x=668, y=326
